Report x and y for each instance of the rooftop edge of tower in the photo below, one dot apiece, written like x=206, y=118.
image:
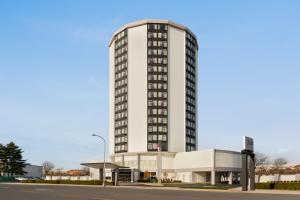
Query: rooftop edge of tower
x=151, y=21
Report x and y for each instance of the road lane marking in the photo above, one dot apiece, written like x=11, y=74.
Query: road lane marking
x=64, y=195
x=44, y=190
x=77, y=197
x=27, y=191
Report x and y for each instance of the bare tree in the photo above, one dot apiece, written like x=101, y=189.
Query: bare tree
x=278, y=164
x=47, y=167
x=85, y=171
x=261, y=159
x=262, y=162
x=58, y=172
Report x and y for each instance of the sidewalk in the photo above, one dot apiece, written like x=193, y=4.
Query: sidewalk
x=294, y=192
x=260, y=191
x=235, y=190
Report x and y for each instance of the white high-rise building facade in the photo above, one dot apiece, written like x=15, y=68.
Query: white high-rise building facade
x=153, y=95
x=153, y=66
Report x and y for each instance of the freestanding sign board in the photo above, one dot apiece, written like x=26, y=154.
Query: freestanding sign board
x=248, y=144
x=248, y=165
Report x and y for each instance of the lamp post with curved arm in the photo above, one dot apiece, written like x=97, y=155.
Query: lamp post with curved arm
x=104, y=178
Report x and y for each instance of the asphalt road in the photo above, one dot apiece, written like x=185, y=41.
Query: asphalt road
x=54, y=192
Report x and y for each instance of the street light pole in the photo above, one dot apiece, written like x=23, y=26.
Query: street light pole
x=104, y=175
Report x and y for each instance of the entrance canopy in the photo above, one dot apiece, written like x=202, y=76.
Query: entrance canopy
x=100, y=165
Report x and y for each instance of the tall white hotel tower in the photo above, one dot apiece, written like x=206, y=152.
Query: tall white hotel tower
x=153, y=107
x=153, y=96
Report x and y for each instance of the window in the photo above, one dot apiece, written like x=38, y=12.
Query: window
x=164, y=120
x=154, y=103
x=150, y=128
x=162, y=27
x=164, y=35
x=154, y=128
x=165, y=52
x=165, y=77
x=164, y=129
x=154, y=111
x=160, y=137
x=165, y=94
x=164, y=138
x=165, y=86
x=164, y=61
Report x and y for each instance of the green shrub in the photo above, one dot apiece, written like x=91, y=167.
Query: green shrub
x=168, y=180
x=92, y=182
x=7, y=179
x=177, y=181
x=292, y=185
x=287, y=186
x=263, y=185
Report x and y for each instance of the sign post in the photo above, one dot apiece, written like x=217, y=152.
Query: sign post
x=248, y=164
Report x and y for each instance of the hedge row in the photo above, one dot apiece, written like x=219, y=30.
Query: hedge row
x=6, y=179
x=168, y=180
x=284, y=181
x=279, y=186
x=93, y=182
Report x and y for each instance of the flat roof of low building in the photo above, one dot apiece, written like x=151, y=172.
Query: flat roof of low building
x=100, y=165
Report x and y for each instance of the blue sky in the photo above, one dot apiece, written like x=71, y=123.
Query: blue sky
x=54, y=73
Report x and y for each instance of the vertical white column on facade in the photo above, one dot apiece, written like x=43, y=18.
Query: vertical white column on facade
x=213, y=172
x=116, y=177
x=230, y=176
x=123, y=160
x=213, y=177
x=176, y=90
x=112, y=99
x=138, y=161
x=131, y=177
x=184, y=90
x=159, y=166
x=137, y=89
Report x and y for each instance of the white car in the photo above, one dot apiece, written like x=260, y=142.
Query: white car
x=19, y=179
